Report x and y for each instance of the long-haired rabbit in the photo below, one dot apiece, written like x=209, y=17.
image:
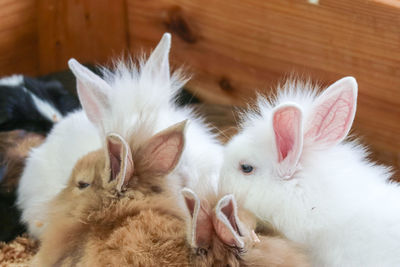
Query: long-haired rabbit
x=224, y=235
x=120, y=102
x=32, y=104
x=14, y=149
x=118, y=208
x=291, y=166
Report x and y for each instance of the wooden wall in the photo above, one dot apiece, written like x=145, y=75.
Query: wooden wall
x=39, y=36
x=232, y=47
x=18, y=38
x=89, y=30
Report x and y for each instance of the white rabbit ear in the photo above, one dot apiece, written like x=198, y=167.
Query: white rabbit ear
x=157, y=66
x=333, y=114
x=92, y=92
x=162, y=152
x=120, y=160
x=201, y=225
x=226, y=222
x=287, y=124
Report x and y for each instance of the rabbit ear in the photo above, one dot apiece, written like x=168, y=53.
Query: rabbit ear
x=157, y=66
x=287, y=123
x=226, y=222
x=92, y=92
x=201, y=225
x=333, y=113
x=163, y=151
x=120, y=160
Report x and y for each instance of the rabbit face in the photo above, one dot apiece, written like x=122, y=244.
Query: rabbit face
x=88, y=189
x=105, y=176
x=268, y=164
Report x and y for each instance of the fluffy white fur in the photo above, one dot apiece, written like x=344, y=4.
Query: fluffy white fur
x=129, y=100
x=337, y=203
x=12, y=80
x=45, y=108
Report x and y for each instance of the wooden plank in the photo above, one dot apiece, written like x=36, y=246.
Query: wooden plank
x=89, y=30
x=234, y=47
x=18, y=39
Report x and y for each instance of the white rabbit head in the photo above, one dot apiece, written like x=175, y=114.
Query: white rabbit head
x=268, y=164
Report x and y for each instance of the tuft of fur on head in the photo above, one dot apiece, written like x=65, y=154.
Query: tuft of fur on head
x=140, y=92
x=125, y=73
x=293, y=90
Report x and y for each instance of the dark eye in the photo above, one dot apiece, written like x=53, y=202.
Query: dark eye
x=82, y=185
x=201, y=251
x=246, y=168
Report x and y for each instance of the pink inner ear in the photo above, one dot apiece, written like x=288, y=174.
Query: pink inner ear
x=164, y=151
x=201, y=226
x=333, y=113
x=114, y=151
x=91, y=92
x=121, y=163
x=288, y=130
x=286, y=127
x=190, y=203
x=228, y=210
x=89, y=103
x=287, y=124
x=225, y=222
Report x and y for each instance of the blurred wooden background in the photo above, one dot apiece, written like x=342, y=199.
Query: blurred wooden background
x=232, y=47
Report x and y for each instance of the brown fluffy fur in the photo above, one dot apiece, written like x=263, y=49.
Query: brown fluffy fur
x=143, y=225
x=14, y=149
x=101, y=226
x=272, y=250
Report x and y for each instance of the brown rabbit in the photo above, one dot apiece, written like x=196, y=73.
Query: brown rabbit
x=14, y=149
x=119, y=209
x=219, y=238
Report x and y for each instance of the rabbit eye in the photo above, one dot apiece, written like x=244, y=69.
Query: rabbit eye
x=201, y=251
x=246, y=168
x=82, y=185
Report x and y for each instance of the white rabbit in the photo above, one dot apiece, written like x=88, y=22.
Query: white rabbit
x=128, y=100
x=290, y=166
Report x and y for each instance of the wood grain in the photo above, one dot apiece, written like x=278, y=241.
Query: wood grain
x=18, y=38
x=89, y=30
x=235, y=47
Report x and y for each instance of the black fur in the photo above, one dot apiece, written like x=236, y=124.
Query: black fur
x=18, y=110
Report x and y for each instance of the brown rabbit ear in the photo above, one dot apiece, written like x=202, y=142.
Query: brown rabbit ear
x=162, y=152
x=120, y=160
x=226, y=222
x=201, y=225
